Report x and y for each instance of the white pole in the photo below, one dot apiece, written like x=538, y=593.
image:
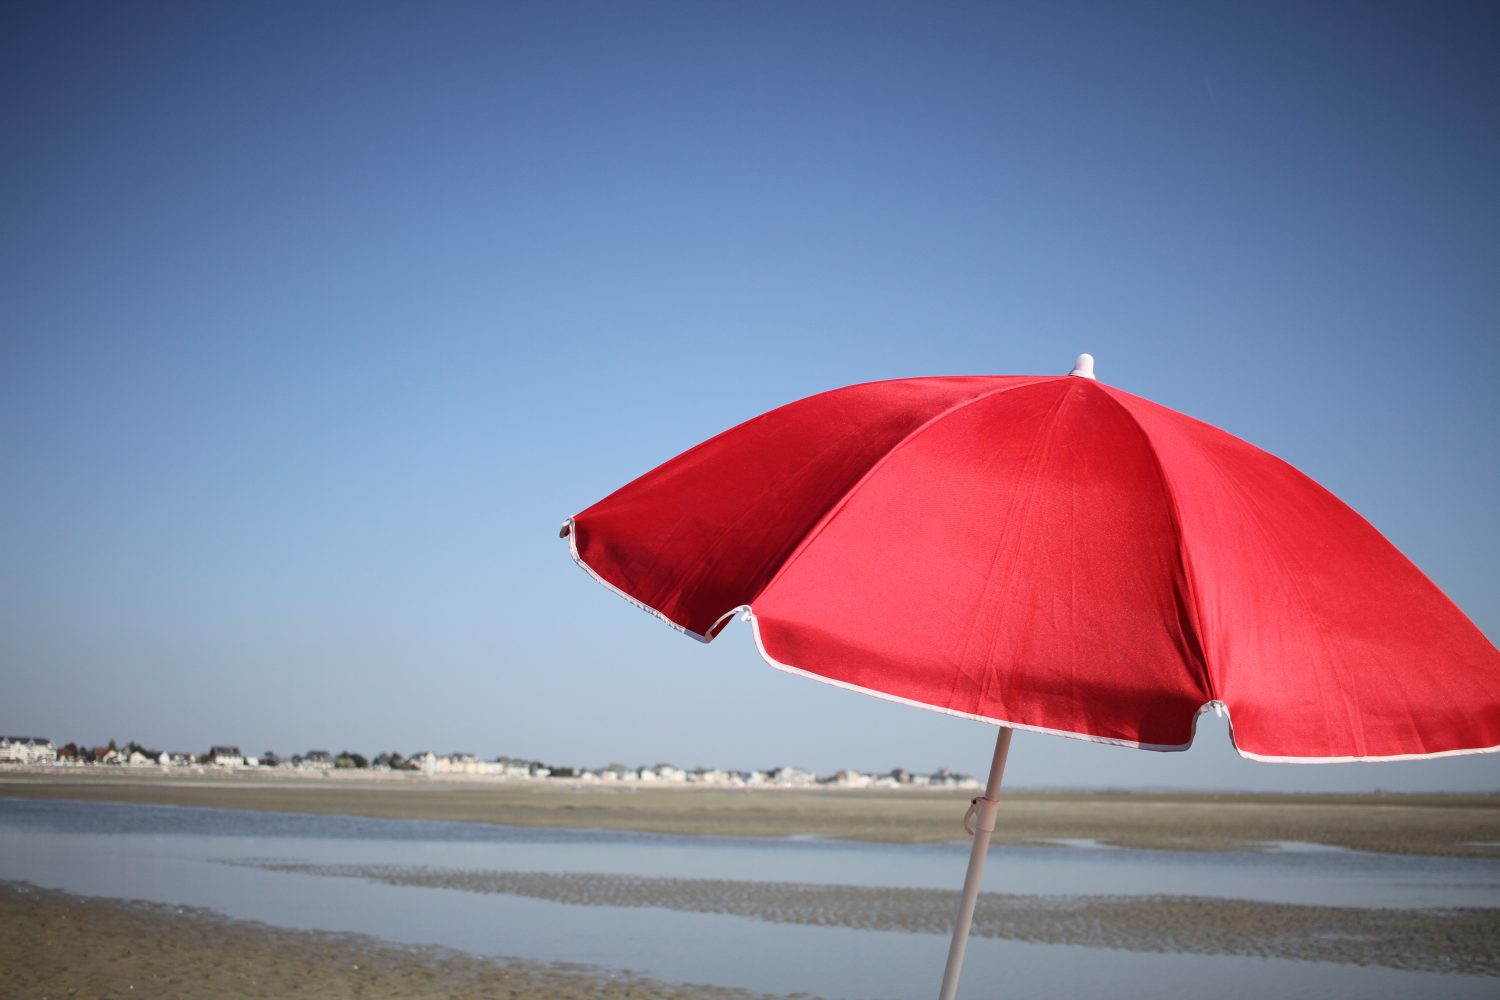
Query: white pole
x=984, y=825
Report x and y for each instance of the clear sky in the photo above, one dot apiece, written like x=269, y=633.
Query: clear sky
x=317, y=319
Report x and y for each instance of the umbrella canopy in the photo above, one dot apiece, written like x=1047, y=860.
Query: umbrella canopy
x=1058, y=555
x=1051, y=554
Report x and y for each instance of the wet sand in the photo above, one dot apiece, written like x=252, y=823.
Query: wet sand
x=1455, y=940
x=1449, y=825
x=56, y=946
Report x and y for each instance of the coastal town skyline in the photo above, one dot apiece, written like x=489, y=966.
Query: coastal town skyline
x=42, y=752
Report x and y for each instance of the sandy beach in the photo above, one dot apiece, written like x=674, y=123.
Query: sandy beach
x=58, y=945
x=1446, y=825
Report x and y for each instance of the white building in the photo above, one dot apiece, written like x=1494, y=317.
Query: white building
x=315, y=760
x=26, y=750
x=794, y=777
x=463, y=763
x=510, y=767
x=226, y=756
x=948, y=779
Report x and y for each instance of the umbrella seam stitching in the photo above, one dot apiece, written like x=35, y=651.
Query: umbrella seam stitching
x=837, y=507
x=1185, y=556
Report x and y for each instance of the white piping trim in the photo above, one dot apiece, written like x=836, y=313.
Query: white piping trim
x=1215, y=706
x=1269, y=759
x=1264, y=758
x=884, y=696
x=571, y=535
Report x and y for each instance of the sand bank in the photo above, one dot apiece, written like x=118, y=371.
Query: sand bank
x=57, y=945
x=1454, y=940
x=1451, y=825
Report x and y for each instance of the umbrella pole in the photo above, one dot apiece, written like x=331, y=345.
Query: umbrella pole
x=984, y=812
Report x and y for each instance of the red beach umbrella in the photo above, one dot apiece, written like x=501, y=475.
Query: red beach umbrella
x=1053, y=554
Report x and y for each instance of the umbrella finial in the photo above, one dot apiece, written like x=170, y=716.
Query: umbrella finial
x=1084, y=366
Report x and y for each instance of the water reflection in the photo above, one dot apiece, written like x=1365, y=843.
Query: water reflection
x=168, y=854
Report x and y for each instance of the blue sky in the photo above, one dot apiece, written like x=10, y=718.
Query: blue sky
x=315, y=321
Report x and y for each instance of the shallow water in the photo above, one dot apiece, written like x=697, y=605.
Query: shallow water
x=173, y=855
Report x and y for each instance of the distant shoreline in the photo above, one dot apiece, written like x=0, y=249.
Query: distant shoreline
x=1452, y=825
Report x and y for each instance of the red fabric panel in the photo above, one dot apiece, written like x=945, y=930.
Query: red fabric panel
x=1322, y=639
x=1015, y=560
x=700, y=535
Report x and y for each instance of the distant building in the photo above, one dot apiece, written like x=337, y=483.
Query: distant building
x=948, y=779
x=458, y=763
x=512, y=767
x=226, y=756
x=852, y=779
x=467, y=763
x=794, y=777
x=27, y=750
x=315, y=760
x=664, y=772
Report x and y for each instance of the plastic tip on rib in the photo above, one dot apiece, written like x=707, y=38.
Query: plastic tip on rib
x=1084, y=366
